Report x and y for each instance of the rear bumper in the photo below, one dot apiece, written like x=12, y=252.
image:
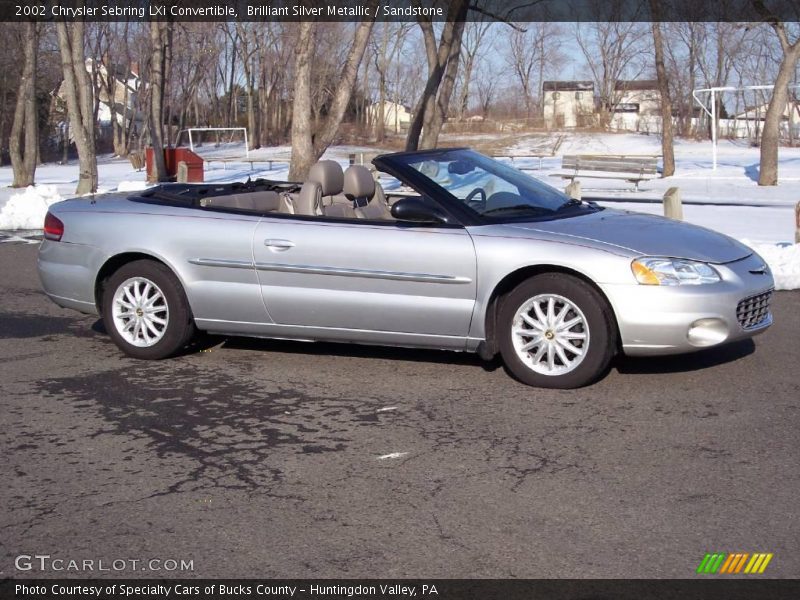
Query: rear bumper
x=67, y=272
x=656, y=320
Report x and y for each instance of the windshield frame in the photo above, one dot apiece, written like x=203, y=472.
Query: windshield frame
x=399, y=165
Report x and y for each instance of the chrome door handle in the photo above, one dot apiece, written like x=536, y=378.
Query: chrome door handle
x=278, y=244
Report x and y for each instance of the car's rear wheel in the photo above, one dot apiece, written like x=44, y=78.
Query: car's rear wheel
x=145, y=310
x=556, y=331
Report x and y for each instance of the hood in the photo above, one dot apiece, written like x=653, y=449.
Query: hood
x=646, y=235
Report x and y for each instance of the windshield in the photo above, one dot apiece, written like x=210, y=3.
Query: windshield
x=487, y=186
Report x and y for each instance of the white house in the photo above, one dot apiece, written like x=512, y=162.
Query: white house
x=637, y=106
x=396, y=116
x=568, y=104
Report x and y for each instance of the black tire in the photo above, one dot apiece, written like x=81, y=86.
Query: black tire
x=180, y=324
x=602, y=331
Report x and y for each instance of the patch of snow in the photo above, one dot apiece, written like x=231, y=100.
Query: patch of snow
x=783, y=261
x=26, y=209
x=132, y=186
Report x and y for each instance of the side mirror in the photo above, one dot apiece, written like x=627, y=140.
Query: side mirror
x=415, y=210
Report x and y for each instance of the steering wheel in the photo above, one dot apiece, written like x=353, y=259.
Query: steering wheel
x=478, y=205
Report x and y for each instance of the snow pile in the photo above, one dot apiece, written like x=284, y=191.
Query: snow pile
x=26, y=209
x=132, y=186
x=783, y=261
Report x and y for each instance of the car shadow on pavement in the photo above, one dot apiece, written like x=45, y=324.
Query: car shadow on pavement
x=695, y=361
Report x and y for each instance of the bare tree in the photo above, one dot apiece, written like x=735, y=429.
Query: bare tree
x=613, y=52
x=531, y=52
x=309, y=142
x=768, y=169
x=78, y=93
x=667, y=149
x=431, y=109
x=161, y=38
x=385, y=48
x=472, y=44
x=24, y=138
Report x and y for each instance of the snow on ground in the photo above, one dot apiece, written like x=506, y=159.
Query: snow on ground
x=727, y=200
x=26, y=208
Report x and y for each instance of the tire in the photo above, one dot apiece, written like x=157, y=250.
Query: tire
x=537, y=359
x=160, y=308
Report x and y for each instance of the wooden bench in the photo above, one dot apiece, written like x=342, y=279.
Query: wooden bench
x=631, y=168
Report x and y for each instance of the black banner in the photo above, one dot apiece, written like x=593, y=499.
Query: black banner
x=398, y=10
x=375, y=589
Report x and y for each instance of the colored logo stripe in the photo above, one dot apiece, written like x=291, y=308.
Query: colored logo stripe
x=721, y=562
x=758, y=563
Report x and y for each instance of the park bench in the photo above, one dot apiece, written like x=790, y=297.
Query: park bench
x=630, y=168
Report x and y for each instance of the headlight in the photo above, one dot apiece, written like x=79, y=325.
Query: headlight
x=672, y=271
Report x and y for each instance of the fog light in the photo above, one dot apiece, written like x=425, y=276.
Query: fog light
x=707, y=332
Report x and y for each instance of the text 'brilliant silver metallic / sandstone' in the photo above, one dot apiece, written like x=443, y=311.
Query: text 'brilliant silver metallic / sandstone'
x=449, y=249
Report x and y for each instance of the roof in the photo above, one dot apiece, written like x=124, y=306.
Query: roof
x=568, y=86
x=636, y=84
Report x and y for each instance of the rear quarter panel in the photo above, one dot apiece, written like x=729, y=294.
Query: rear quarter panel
x=96, y=232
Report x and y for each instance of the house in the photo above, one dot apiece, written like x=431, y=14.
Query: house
x=750, y=122
x=126, y=85
x=568, y=104
x=396, y=116
x=636, y=106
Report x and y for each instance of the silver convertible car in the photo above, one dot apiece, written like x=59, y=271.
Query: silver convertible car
x=462, y=253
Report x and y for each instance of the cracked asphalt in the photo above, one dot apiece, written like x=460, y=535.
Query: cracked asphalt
x=263, y=458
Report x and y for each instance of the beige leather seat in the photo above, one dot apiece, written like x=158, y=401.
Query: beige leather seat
x=308, y=201
x=360, y=187
x=329, y=176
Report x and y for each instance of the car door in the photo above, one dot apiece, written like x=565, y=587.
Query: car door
x=385, y=280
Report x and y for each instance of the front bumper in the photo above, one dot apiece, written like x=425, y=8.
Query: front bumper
x=655, y=320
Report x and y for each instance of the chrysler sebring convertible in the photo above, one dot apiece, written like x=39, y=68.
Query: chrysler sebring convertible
x=461, y=253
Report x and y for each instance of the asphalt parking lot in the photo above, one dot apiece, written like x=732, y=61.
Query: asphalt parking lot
x=265, y=458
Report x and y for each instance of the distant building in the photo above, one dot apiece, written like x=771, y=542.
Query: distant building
x=568, y=104
x=637, y=106
x=396, y=116
x=126, y=85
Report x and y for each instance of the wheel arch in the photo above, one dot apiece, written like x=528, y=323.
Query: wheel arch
x=490, y=346
x=114, y=263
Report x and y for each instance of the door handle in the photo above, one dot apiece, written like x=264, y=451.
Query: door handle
x=278, y=245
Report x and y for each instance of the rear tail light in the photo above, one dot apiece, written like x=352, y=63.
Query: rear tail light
x=53, y=227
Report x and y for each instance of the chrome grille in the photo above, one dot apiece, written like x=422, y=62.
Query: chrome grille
x=752, y=311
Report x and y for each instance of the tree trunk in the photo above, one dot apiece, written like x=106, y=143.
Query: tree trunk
x=159, y=36
x=768, y=169
x=437, y=62
x=309, y=145
x=434, y=120
x=78, y=92
x=667, y=148
x=24, y=139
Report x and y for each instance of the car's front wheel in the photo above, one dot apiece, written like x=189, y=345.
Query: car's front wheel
x=556, y=331
x=145, y=310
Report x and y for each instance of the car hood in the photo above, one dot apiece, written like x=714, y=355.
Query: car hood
x=646, y=235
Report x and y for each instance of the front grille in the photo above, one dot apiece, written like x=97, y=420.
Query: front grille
x=754, y=310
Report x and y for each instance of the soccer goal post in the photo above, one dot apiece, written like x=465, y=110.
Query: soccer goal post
x=222, y=136
x=711, y=109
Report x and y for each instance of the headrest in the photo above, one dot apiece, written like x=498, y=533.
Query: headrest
x=309, y=199
x=358, y=183
x=328, y=174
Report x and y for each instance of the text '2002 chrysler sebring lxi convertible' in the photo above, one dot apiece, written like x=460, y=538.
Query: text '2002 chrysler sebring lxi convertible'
x=465, y=253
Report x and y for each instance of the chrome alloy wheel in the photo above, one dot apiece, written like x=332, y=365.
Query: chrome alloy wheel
x=140, y=312
x=550, y=334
